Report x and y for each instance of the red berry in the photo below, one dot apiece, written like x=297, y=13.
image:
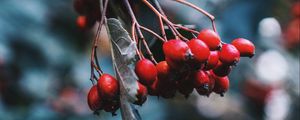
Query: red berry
x=108, y=87
x=81, y=22
x=296, y=9
x=185, y=87
x=211, y=39
x=146, y=71
x=229, y=55
x=201, y=82
x=163, y=69
x=222, y=69
x=153, y=89
x=212, y=60
x=94, y=99
x=141, y=94
x=177, y=50
x=211, y=85
x=200, y=50
x=245, y=47
x=111, y=106
x=221, y=85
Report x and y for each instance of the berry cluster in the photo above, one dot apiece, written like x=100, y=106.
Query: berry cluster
x=106, y=93
x=202, y=63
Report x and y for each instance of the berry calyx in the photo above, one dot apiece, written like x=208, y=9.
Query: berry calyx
x=211, y=39
x=112, y=106
x=222, y=69
x=245, y=47
x=177, y=50
x=94, y=99
x=108, y=87
x=146, y=71
x=221, y=85
x=141, y=94
x=229, y=55
x=201, y=82
x=199, y=49
x=212, y=60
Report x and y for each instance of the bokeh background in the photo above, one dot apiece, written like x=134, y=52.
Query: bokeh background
x=44, y=62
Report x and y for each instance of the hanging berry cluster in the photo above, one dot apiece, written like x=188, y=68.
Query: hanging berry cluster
x=202, y=63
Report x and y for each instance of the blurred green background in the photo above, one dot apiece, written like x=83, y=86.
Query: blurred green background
x=44, y=62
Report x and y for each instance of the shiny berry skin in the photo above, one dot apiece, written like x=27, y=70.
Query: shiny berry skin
x=108, y=87
x=245, y=47
x=211, y=39
x=141, y=94
x=146, y=71
x=111, y=106
x=222, y=69
x=212, y=60
x=163, y=69
x=229, y=55
x=199, y=49
x=221, y=85
x=94, y=99
x=177, y=50
x=201, y=82
x=211, y=85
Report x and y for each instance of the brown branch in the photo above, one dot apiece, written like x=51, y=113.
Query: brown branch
x=211, y=17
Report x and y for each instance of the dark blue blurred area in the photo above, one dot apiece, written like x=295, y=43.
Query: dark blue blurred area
x=45, y=70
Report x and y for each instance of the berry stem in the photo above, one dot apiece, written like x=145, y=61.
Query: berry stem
x=95, y=44
x=211, y=17
x=138, y=29
x=170, y=24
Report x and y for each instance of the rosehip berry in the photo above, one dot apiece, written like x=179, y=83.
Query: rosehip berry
x=81, y=22
x=146, y=71
x=221, y=85
x=177, y=50
x=163, y=69
x=211, y=39
x=201, y=82
x=112, y=106
x=141, y=94
x=108, y=87
x=222, y=70
x=174, y=65
x=212, y=60
x=229, y=55
x=94, y=99
x=199, y=49
x=185, y=87
x=245, y=47
x=210, y=85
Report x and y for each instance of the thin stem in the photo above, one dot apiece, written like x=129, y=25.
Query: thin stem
x=211, y=17
x=153, y=33
x=95, y=44
x=138, y=28
x=186, y=29
x=165, y=19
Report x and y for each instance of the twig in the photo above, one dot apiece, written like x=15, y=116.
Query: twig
x=211, y=17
